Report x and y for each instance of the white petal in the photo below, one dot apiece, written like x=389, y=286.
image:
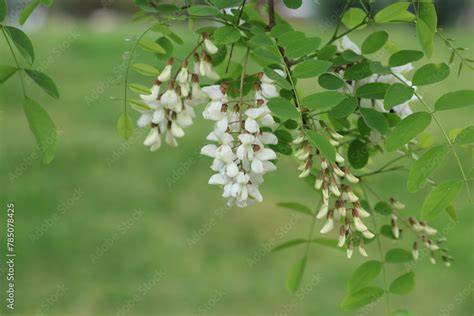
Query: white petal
x=165, y=75
x=152, y=138
x=144, y=119
x=328, y=226
x=257, y=166
x=209, y=150
x=218, y=179
x=251, y=125
x=266, y=154
x=232, y=170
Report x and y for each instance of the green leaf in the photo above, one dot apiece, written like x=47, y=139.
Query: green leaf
x=452, y=213
x=47, y=3
x=151, y=46
x=280, y=28
x=358, y=154
x=344, y=108
x=321, y=143
x=282, y=82
x=322, y=101
x=423, y=167
x=293, y=4
x=302, y=47
x=391, y=12
x=403, y=284
x=373, y=90
x=364, y=275
x=3, y=10
x=374, y=42
x=455, y=100
x=363, y=297
x=295, y=274
x=353, y=17
x=465, y=136
x=6, y=72
x=295, y=206
x=407, y=129
x=330, y=81
x=22, y=43
x=427, y=12
x=379, y=69
x=226, y=35
x=327, y=52
x=358, y=71
x=311, y=68
x=45, y=82
x=439, y=198
x=203, y=10
x=267, y=55
x=404, y=57
x=138, y=105
x=425, y=37
x=375, y=120
x=283, y=108
x=42, y=127
x=398, y=255
x=222, y=4
x=383, y=208
x=397, y=94
x=401, y=312
x=426, y=25
x=288, y=244
x=351, y=56
x=386, y=230
x=125, y=126
x=167, y=45
x=260, y=39
x=287, y=39
x=139, y=89
x=146, y=70
x=430, y=73
x=27, y=10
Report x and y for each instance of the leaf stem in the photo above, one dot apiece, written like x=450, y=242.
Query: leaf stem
x=20, y=70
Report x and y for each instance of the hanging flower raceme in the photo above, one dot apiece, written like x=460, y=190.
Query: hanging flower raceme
x=172, y=111
x=339, y=203
x=240, y=156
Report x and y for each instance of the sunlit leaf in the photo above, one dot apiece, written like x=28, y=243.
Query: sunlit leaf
x=364, y=275
x=398, y=255
x=403, y=284
x=439, y=198
x=311, y=68
x=375, y=119
x=391, y=12
x=396, y=94
x=423, y=167
x=361, y=298
x=226, y=35
x=22, y=43
x=374, y=42
x=321, y=143
x=407, y=129
x=145, y=69
x=430, y=73
x=404, y=57
x=465, y=136
x=27, y=10
x=455, y=100
x=322, y=101
x=283, y=108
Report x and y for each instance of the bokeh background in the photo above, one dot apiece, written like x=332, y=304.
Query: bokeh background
x=109, y=228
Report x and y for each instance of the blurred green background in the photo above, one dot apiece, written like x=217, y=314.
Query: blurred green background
x=109, y=228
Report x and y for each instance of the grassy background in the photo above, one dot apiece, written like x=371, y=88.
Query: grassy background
x=89, y=195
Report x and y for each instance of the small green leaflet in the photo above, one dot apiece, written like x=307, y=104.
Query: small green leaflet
x=404, y=57
x=358, y=154
x=280, y=28
x=203, y=10
x=364, y=275
x=465, y=136
x=375, y=120
x=401, y=312
x=151, y=46
x=455, y=100
x=344, y=108
x=222, y=4
x=27, y=10
x=358, y=71
x=45, y=82
x=125, y=126
x=398, y=255
x=396, y=94
x=374, y=42
x=425, y=37
x=146, y=70
x=423, y=167
x=403, y=284
x=383, y=208
x=363, y=297
x=293, y=4
x=326, y=242
x=284, y=108
x=391, y=12
x=373, y=90
x=22, y=43
x=6, y=72
x=302, y=47
x=322, y=101
x=139, y=89
x=226, y=35
x=353, y=17
x=289, y=244
x=267, y=55
x=452, y=213
x=295, y=206
x=311, y=68
x=282, y=82
x=426, y=25
x=295, y=274
x=322, y=144
x=3, y=10
x=407, y=129
x=330, y=81
x=439, y=198
x=138, y=105
x=430, y=73
x=327, y=52
x=42, y=127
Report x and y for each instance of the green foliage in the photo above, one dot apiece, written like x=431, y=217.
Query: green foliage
x=330, y=81
x=404, y=57
x=403, y=284
x=426, y=25
x=282, y=82
x=407, y=129
x=283, y=108
x=22, y=43
x=125, y=126
x=398, y=255
x=295, y=206
x=455, y=100
x=358, y=154
x=293, y=4
x=311, y=68
x=397, y=94
x=45, y=82
x=375, y=120
x=203, y=10
x=353, y=17
x=361, y=298
x=373, y=90
x=439, y=198
x=3, y=10
x=430, y=73
x=424, y=166
x=374, y=42
x=465, y=136
x=6, y=72
x=322, y=101
x=226, y=35
x=295, y=274
x=364, y=275
x=322, y=144
x=152, y=46
x=145, y=69
x=344, y=108
x=391, y=12
x=27, y=10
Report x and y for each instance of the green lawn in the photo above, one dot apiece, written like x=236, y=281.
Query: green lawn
x=168, y=244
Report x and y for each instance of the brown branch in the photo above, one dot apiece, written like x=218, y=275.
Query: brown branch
x=271, y=15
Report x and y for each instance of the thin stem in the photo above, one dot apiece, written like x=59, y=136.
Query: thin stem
x=339, y=21
x=454, y=50
x=233, y=44
x=381, y=251
x=271, y=15
x=20, y=70
x=311, y=230
x=446, y=136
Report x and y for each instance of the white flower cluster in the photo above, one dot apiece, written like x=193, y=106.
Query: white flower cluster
x=240, y=156
x=403, y=109
x=340, y=204
x=172, y=111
